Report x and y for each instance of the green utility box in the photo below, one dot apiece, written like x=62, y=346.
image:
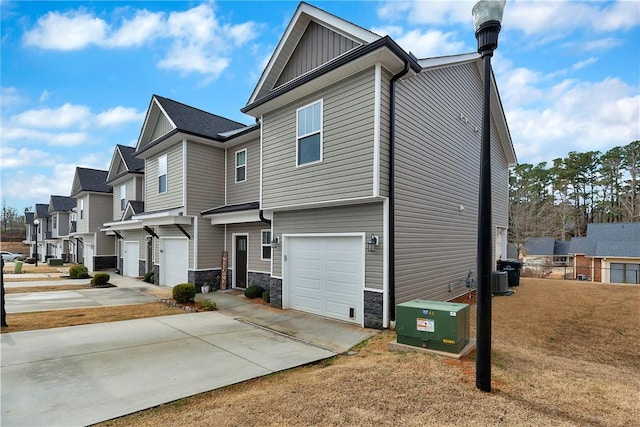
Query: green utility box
x=436, y=325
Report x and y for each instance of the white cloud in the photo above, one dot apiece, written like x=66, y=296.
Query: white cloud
x=69, y=31
x=118, y=115
x=25, y=135
x=41, y=184
x=54, y=118
x=582, y=64
x=10, y=97
x=11, y=157
x=193, y=40
x=424, y=44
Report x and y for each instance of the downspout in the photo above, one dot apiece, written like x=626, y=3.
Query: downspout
x=262, y=218
x=392, y=235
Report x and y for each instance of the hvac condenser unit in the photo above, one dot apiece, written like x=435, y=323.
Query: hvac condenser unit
x=436, y=325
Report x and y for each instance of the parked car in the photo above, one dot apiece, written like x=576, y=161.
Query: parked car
x=10, y=256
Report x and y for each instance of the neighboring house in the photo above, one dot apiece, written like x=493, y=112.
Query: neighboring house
x=546, y=251
x=369, y=168
x=609, y=253
x=185, y=155
x=60, y=212
x=133, y=242
x=30, y=234
x=94, y=199
x=43, y=233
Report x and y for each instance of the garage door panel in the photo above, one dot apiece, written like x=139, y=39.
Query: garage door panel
x=326, y=276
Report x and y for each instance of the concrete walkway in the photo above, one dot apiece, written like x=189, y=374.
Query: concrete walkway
x=81, y=375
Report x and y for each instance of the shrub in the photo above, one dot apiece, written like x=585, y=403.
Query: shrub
x=100, y=279
x=30, y=260
x=184, y=292
x=78, y=271
x=208, y=305
x=253, y=291
x=148, y=277
x=266, y=297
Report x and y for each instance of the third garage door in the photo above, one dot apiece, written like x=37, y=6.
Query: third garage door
x=325, y=275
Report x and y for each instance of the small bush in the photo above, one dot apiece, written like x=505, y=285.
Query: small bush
x=184, y=292
x=207, y=305
x=100, y=279
x=148, y=277
x=78, y=271
x=253, y=291
x=30, y=260
x=266, y=297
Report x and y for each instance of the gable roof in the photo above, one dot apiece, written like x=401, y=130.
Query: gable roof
x=90, y=180
x=181, y=118
x=61, y=204
x=539, y=246
x=304, y=14
x=28, y=218
x=609, y=240
x=42, y=210
x=124, y=162
x=134, y=207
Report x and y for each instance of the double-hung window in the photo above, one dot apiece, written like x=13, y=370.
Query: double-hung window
x=123, y=197
x=266, y=245
x=241, y=165
x=162, y=174
x=309, y=134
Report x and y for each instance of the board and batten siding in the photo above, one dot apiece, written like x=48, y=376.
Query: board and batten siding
x=254, y=230
x=437, y=170
x=205, y=177
x=317, y=46
x=365, y=218
x=346, y=170
x=161, y=127
x=249, y=190
x=173, y=197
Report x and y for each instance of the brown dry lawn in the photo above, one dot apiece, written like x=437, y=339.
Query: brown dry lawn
x=565, y=353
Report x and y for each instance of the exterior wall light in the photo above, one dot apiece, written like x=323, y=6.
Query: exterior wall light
x=275, y=242
x=372, y=243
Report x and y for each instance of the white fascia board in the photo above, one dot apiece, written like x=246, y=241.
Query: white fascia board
x=443, y=61
x=167, y=220
x=171, y=212
x=122, y=225
x=235, y=217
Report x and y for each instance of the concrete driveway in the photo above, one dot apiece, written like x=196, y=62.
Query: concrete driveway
x=82, y=375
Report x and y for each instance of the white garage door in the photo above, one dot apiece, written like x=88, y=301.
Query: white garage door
x=174, y=259
x=88, y=256
x=130, y=259
x=325, y=275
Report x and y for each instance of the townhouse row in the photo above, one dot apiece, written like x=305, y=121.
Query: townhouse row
x=355, y=189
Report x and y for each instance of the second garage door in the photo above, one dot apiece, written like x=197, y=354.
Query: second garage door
x=325, y=275
x=174, y=261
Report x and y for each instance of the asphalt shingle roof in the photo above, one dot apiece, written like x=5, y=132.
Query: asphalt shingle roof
x=132, y=163
x=539, y=246
x=232, y=208
x=137, y=206
x=42, y=210
x=93, y=180
x=61, y=203
x=28, y=218
x=195, y=121
x=602, y=240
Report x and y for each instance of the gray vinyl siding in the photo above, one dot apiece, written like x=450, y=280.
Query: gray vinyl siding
x=249, y=190
x=385, y=98
x=254, y=231
x=138, y=185
x=99, y=210
x=437, y=170
x=210, y=244
x=173, y=196
x=366, y=218
x=317, y=46
x=346, y=170
x=162, y=126
x=82, y=221
x=136, y=236
x=205, y=177
x=117, y=212
x=105, y=245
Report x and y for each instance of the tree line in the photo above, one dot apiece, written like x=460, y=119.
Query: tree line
x=560, y=199
x=12, y=227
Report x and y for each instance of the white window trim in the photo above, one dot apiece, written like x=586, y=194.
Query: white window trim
x=123, y=197
x=166, y=174
x=238, y=167
x=262, y=245
x=321, y=132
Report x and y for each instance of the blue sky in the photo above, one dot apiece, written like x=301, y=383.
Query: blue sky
x=77, y=77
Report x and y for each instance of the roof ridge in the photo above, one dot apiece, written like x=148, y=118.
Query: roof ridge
x=199, y=109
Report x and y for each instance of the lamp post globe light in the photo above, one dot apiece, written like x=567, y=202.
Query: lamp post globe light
x=487, y=15
x=36, y=223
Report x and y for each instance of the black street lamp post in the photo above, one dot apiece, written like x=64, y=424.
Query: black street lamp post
x=36, y=223
x=487, y=15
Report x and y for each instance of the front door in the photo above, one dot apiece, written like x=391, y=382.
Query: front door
x=240, y=273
